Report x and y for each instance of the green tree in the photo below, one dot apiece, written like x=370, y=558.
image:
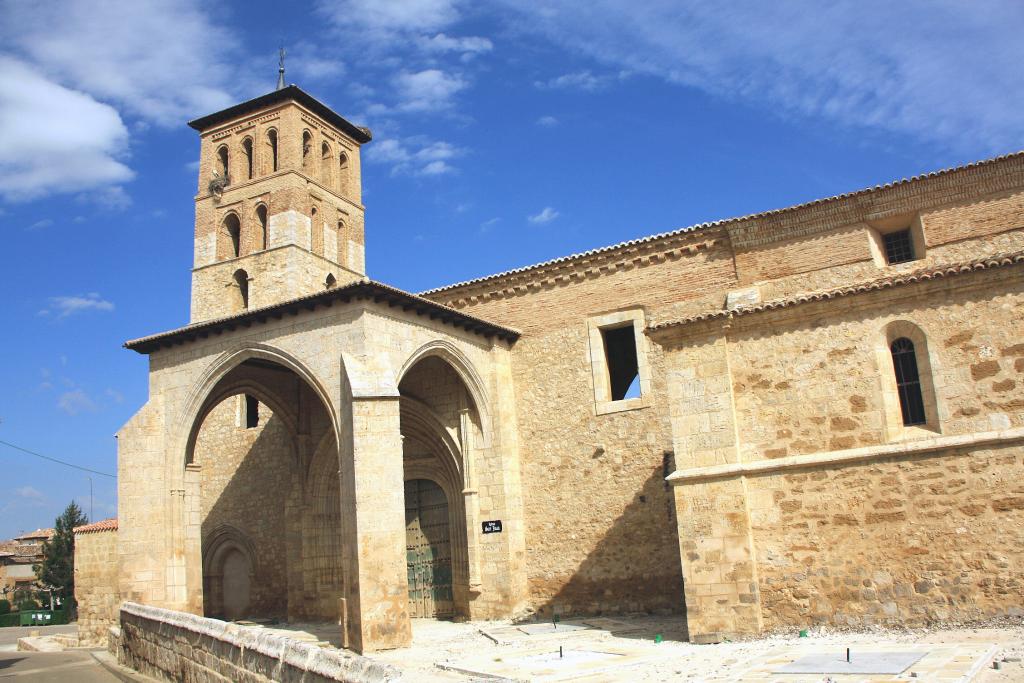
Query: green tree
x=57, y=569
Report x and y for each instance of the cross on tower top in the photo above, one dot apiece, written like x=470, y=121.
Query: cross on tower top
x=280, y=69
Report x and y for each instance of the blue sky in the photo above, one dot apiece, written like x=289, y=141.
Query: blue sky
x=503, y=135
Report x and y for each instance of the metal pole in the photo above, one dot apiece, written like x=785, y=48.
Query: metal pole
x=91, y=518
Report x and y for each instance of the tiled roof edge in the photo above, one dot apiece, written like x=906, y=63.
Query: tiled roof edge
x=102, y=525
x=922, y=275
x=447, y=313
x=719, y=223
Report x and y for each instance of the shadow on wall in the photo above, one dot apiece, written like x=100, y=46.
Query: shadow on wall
x=617, y=576
x=253, y=502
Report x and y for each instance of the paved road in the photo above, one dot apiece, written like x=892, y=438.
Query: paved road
x=46, y=667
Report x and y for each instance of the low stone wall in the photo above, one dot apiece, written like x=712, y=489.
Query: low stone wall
x=176, y=646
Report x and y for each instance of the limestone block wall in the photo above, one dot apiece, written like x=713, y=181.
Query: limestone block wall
x=910, y=540
x=274, y=275
x=801, y=496
x=96, y=584
x=175, y=646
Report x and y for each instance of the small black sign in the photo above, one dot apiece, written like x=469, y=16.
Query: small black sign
x=492, y=526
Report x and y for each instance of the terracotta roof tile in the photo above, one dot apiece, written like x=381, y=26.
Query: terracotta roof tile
x=922, y=275
x=102, y=525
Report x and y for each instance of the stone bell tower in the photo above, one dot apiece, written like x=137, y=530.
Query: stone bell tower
x=279, y=212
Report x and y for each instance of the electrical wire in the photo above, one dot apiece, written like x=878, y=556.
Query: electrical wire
x=59, y=462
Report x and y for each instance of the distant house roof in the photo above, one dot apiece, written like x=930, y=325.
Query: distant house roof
x=38, y=534
x=365, y=289
x=102, y=525
x=360, y=134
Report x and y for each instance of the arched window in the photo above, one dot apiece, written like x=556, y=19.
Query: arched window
x=325, y=164
x=272, y=150
x=247, y=151
x=343, y=173
x=307, y=152
x=222, y=162
x=234, y=231
x=261, y=217
x=242, y=282
x=331, y=282
x=908, y=381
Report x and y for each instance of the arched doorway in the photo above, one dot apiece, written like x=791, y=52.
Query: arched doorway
x=428, y=550
x=440, y=424
x=228, y=569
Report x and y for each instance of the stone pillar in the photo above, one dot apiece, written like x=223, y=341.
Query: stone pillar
x=716, y=549
x=471, y=500
x=715, y=541
x=374, y=521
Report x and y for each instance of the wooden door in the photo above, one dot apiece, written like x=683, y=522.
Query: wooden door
x=428, y=550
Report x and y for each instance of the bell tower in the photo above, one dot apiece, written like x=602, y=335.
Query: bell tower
x=278, y=211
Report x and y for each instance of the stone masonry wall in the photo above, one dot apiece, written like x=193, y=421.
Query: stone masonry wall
x=811, y=536
x=96, y=584
x=899, y=540
x=175, y=646
x=241, y=469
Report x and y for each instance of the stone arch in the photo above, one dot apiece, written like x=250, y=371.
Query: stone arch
x=441, y=447
x=231, y=229
x=343, y=173
x=464, y=368
x=307, y=152
x=326, y=163
x=249, y=153
x=184, y=478
x=261, y=222
x=190, y=418
x=223, y=168
x=270, y=165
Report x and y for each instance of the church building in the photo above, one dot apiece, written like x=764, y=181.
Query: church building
x=811, y=415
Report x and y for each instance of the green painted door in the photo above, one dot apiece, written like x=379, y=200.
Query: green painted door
x=428, y=550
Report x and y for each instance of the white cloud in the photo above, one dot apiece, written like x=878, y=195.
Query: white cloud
x=466, y=45
x=63, y=306
x=547, y=121
x=74, y=69
x=161, y=60
x=489, y=223
x=75, y=402
x=580, y=80
x=54, y=139
x=414, y=156
x=546, y=215
x=939, y=71
x=40, y=224
x=428, y=90
x=30, y=494
x=393, y=15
